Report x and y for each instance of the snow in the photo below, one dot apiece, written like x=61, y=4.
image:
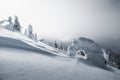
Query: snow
x=17, y=40
x=91, y=50
x=81, y=54
x=106, y=55
x=20, y=64
x=22, y=58
x=85, y=44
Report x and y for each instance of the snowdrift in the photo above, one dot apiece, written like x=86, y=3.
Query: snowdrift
x=17, y=40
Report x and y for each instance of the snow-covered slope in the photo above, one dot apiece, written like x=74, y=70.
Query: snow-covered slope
x=17, y=64
x=17, y=40
x=19, y=60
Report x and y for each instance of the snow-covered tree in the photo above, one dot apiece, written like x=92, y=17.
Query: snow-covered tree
x=88, y=47
x=30, y=31
x=17, y=26
x=10, y=19
x=105, y=54
x=8, y=24
x=83, y=43
x=55, y=44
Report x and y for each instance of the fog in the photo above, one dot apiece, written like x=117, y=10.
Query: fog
x=66, y=19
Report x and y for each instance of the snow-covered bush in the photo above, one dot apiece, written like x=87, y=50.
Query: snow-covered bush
x=84, y=44
x=87, y=49
x=12, y=26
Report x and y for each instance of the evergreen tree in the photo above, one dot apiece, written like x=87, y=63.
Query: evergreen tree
x=17, y=26
x=10, y=19
x=30, y=31
x=56, y=45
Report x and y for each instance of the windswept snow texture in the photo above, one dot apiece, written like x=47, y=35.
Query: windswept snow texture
x=23, y=59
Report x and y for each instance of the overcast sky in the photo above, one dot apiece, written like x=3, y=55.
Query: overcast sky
x=66, y=19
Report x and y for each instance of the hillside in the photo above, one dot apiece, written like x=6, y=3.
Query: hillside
x=22, y=58
x=17, y=40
